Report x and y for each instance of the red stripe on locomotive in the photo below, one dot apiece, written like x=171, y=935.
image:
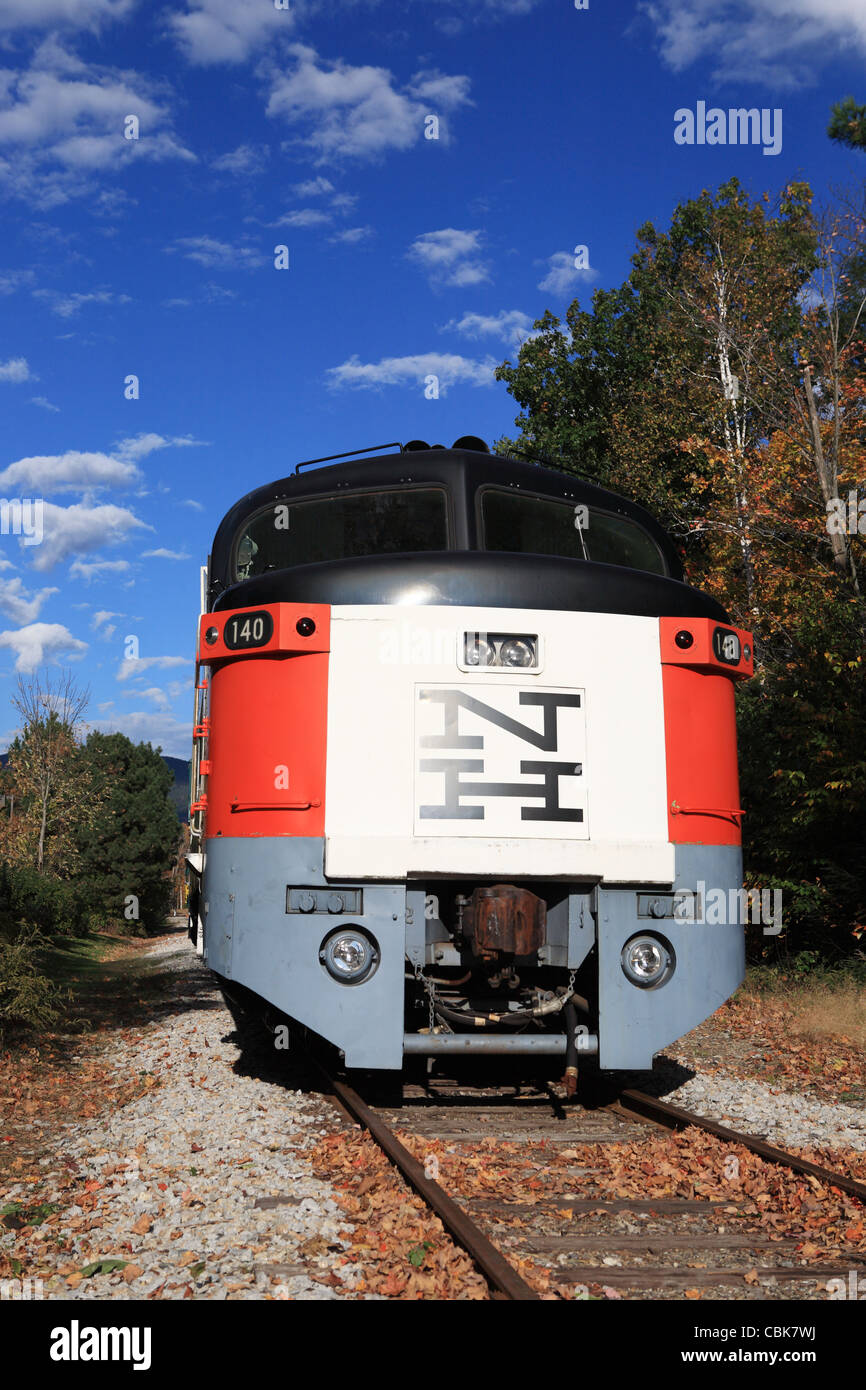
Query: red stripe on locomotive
x=700, y=731
x=268, y=712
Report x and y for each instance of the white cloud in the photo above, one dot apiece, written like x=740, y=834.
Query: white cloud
x=352, y=235
x=77, y=471
x=450, y=257
x=191, y=502
x=163, y=554
x=16, y=369
x=70, y=472
x=18, y=604
x=157, y=727
x=303, y=217
x=153, y=692
x=41, y=642
x=511, y=325
x=68, y=304
x=101, y=623
x=449, y=368
x=781, y=42
x=357, y=112
x=246, y=159
x=82, y=569
x=62, y=124
x=138, y=446
x=45, y=404
x=81, y=14
x=478, y=10
x=12, y=280
x=81, y=528
x=221, y=255
x=134, y=666
x=313, y=188
x=227, y=31
x=562, y=275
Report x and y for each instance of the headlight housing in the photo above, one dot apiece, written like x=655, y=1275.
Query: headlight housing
x=349, y=955
x=648, y=960
x=510, y=651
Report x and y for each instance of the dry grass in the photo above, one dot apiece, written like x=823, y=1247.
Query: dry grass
x=825, y=1009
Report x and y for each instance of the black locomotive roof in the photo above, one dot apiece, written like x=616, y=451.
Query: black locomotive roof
x=462, y=471
x=467, y=573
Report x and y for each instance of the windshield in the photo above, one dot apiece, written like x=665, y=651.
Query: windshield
x=547, y=526
x=339, y=528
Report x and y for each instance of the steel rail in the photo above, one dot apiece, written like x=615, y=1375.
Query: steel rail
x=672, y=1117
x=496, y=1269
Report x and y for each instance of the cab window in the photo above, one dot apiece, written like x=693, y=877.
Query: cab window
x=390, y=522
x=534, y=525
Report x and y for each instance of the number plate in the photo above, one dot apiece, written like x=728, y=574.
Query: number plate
x=248, y=630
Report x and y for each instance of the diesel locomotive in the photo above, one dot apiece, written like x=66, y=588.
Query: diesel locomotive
x=464, y=763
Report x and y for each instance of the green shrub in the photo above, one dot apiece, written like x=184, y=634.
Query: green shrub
x=28, y=999
x=57, y=908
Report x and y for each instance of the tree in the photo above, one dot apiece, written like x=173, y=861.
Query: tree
x=127, y=854
x=724, y=387
x=848, y=124
x=43, y=767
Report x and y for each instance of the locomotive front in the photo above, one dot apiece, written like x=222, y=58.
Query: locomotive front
x=466, y=772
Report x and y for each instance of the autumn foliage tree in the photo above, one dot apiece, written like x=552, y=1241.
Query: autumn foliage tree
x=723, y=386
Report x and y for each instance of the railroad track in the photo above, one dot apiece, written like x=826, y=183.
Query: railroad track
x=593, y=1244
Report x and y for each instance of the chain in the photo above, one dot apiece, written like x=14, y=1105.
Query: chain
x=430, y=990
x=571, y=978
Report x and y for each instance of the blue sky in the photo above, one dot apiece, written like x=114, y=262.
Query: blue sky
x=304, y=127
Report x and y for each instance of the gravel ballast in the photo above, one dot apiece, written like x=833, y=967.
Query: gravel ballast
x=180, y=1168
x=173, y=1177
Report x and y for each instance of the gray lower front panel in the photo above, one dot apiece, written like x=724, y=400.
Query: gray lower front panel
x=633, y=1022
x=251, y=938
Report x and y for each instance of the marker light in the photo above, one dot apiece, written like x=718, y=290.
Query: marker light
x=349, y=955
x=211, y=635
x=647, y=960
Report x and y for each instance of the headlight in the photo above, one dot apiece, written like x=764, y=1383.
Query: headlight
x=647, y=960
x=516, y=652
x=510, y=651
x=349, y=955
x=477, y=652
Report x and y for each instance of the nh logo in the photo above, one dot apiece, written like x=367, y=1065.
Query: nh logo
x=482, y=767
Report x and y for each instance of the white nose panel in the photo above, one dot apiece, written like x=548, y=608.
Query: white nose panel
x=555, y=771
